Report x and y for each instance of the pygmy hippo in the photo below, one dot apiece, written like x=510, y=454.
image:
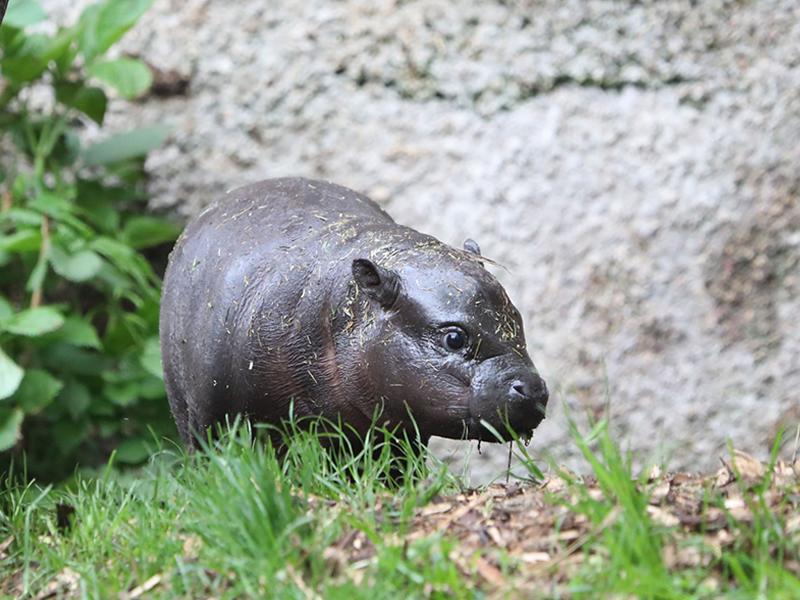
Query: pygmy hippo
x=304, y=296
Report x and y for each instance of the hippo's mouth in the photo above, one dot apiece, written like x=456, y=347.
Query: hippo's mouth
x=477, y=430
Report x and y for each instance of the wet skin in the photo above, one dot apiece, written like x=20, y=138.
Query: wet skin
x=301, y=295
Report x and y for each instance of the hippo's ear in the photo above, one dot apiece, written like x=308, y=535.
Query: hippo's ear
x=382, y=285
x=471, y=246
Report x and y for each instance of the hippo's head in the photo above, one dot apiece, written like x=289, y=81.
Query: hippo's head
x=447, y=345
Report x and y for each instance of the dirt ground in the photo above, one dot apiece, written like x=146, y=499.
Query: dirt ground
x=548, y=540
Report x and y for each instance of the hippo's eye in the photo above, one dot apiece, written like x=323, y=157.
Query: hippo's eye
x=454, y=339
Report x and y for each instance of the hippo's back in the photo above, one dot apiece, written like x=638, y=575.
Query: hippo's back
x=290, y=208
x=273, y=244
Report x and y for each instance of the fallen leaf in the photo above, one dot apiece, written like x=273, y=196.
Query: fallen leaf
x=494, y=534
x=139, y=590
x=554, y=485
x=723, y=477
x=737, y=508
x=654, y=473
x=744, y=467
x=534, y=557
x=436, y=509
x=662, y=517
x=191, y=546
x=63, y=584
x=4, y=546
x=792, y=525
x=659, y=492
x=489, y=572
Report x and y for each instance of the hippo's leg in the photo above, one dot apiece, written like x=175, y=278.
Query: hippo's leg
x=178, y=404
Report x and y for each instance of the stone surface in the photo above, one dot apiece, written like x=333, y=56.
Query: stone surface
x=634, y=165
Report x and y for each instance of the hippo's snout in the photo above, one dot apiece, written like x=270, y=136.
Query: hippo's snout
x=535, y=392
x=511, y=396
x=527, y=401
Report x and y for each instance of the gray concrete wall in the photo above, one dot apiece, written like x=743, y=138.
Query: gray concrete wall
x=635, y=165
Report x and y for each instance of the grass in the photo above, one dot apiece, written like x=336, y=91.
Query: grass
x=237, y=521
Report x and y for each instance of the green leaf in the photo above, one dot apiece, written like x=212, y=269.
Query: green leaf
x=107, y=192
x=121, y=394
x=130, y=77
x=25, y=240
x=87, y=24
x=133, y=451
x=60, y=45
x=53, y=205
x=75, y=396
x=151, y=388
x=99, y=203
x=101, y=407
x=23, y=216
x=106, y=23
x=66, y=358
x=64, y=51
x=124, y=146
x=10, y=424
x=151, y=357
x=145, y=232
x=61, y=209
x=77, y=332
x=100, y=213
x=37, y=390
x=27, y=60
x=117, y=252
x=108, y=427
x=22, y=13
x=68, y=435
x=10, y=375
x=91, y=101
x=78, y=267
x=66, y=150
x=33, y=321
x=36, y=278
x=5, y=308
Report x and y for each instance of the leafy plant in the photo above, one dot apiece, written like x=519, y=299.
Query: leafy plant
x=79, y=357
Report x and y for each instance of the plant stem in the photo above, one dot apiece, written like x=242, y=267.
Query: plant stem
x=8, y=94
x=36, y=296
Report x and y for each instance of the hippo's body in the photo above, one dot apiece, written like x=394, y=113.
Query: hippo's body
x=304, y=295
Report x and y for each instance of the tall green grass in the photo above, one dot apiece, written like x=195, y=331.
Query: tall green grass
x=242, y=518
x=626, y=553
x=232, y=520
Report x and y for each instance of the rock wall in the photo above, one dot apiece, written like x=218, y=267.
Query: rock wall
x=634, y=165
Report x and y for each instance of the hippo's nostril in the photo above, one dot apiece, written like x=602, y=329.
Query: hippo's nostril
x=518, y=388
